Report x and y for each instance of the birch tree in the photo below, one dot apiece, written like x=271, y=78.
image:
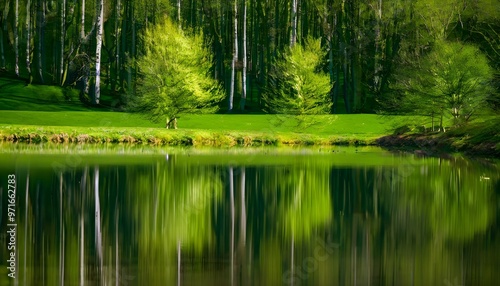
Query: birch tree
x=99, y=29
x=293, y=23
x=244, y=72
x=235, y=55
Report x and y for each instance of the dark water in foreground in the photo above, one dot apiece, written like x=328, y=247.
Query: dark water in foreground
x=234, y=217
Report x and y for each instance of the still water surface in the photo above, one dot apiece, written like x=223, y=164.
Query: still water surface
x=344, y=216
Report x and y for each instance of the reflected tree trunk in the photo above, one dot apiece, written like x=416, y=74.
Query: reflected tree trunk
x=178, y=263
x=243, y=223
x=26, y=222
x=83, y=186
x=117, y=220
x=292, y=267
x=98, y=222
x=61, y=232
x=231, y=195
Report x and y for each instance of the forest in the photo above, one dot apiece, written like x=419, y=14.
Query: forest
x=336, y=56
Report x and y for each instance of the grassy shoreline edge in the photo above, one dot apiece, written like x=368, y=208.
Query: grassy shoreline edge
x=179, y=137
x=421, y=144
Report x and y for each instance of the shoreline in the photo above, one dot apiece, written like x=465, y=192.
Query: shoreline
x=438, y=144
x=420, y=144
x=179, y=137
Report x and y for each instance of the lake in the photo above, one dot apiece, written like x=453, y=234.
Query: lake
x=125, y=215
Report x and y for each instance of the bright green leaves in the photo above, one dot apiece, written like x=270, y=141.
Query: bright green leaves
x=453, y=80
x=174, y=75
x=296, y=84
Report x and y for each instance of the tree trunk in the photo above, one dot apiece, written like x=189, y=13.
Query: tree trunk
x=244, y=73
x=235, y=56
x=16, y=37
x=63, y=36
x=293, y=24
x=116, y=77
x=28, y=39
x=100, y=16
x=2, y=52
x=41, y=37
x=179, y=14
x=2, y=29
x=378, y=49
x=82, y=21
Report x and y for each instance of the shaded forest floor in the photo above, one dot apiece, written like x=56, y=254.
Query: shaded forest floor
x=30, y=113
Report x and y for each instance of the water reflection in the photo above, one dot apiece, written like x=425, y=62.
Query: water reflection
x=306, y=219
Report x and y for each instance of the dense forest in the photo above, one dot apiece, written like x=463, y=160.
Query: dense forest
x=374, y=54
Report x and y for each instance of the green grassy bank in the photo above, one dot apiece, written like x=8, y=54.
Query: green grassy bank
x=36, y=114
x=183, y=137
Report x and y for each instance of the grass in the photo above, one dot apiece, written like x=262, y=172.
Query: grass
x=38, y=113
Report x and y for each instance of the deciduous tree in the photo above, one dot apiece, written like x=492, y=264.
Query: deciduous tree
x=174, y=75
x=297, y=85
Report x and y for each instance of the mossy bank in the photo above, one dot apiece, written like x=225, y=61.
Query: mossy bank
x=164, y=137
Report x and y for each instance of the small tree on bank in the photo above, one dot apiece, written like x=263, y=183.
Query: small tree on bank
x=174, y=76
x=297, y=85
x=453, y=80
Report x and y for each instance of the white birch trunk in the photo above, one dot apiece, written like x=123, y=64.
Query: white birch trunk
x=82, y=21
x=293, y=24
x=235, y=55
x=244, y=75
x=100, y=16
x=179, y=14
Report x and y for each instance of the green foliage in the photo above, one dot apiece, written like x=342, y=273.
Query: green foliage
x=454, y=80
x=297, y=86
x=174, y=75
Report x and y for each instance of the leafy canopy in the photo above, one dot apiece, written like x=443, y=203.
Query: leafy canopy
x=454, y=79
x=297, y=86
x=174, y=75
